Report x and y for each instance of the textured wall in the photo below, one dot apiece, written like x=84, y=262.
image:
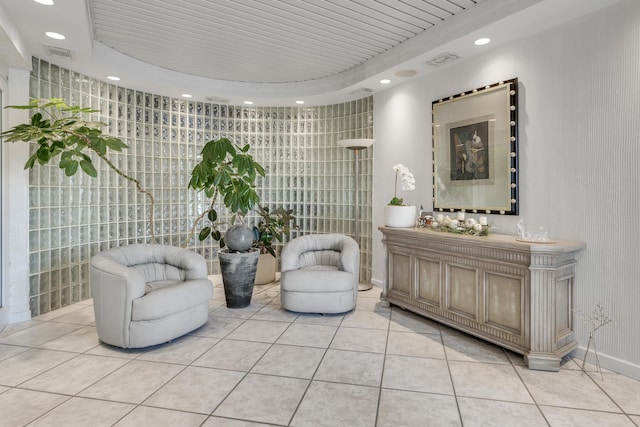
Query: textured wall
x=579, y=152
x=71, y=219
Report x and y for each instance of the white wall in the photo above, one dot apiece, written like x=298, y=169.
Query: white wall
x=15, y=206
x=579, y=133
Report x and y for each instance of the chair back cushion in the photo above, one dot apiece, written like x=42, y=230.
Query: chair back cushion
x=159, y=262
x=333, y=250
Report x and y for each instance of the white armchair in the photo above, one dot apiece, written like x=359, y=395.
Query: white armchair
x=320, y=274
x=148, y=294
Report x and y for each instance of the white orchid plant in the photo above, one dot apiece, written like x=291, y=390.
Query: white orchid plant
x=407, y=183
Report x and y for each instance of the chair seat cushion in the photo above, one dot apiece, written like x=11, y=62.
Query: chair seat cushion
x=326, y=280
x=318, y=267
x=159, y=284
x=171, y=299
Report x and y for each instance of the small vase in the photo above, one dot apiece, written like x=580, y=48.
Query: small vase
x=400, y=216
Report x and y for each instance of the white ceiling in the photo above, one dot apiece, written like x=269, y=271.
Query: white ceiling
x=270, y=51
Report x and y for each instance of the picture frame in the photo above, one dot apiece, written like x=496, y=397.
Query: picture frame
x=475, y=150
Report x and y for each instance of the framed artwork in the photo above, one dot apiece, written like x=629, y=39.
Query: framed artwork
x=475, y=140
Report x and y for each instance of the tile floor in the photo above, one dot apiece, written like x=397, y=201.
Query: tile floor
x=264, y=366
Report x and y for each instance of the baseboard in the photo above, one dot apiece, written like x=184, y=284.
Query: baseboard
x=377, y=283
x=611, y=363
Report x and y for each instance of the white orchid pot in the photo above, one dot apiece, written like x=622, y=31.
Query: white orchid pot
x=400, y=216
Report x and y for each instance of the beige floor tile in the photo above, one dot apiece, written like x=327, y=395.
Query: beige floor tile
x=564, y=417
x=351, y=367
x=623, y=390
x=417, y=374
x=55, y=314
x=274, y=312
x=238, y=313
x=79, y=412
x=28, y=364
x=196, y=390
x=83, y=316
x=182, y=350
x=134, y=382
x=7, y=351
x=255, y=399
x=158, y=417
x=234, y=355
x=308, y=335
x=371, y=305
x=340, y=398
x=367, y=320
x=75, y=375
x=406, y=321
x=78, y=341
x=16, y=413
x=566, y=388
x=39, y=334
x=259, y=331
x=290, y=361
x=411, y=409
x=108, y=350
x=356, y=339
x=320, y=319
x=15, y=327
x=218, y=327
x=373, y=293
x=414, y=344
x=228, y=422
x=487, y=413
x=470, y=349
x=488, y=381
x=635, y=419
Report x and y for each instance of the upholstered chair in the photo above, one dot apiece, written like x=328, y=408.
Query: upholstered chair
x=148, y=294
x=320, y=274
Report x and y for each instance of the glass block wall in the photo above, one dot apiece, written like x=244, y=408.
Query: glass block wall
x=72, y=218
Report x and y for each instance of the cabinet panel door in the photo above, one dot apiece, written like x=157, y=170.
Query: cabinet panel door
x=428, y=286
x=504, y=302
x=462, y=290
x=400, y=273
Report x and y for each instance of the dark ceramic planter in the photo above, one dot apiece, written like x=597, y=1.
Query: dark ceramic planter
x=238, y=274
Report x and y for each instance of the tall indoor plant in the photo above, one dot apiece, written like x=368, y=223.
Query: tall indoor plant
x=62, y=133
x=227, y=171
x=272, y=226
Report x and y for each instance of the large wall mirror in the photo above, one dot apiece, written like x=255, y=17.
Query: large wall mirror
x=475, y=139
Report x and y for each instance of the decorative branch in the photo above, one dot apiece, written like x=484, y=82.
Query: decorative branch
x=64, y=133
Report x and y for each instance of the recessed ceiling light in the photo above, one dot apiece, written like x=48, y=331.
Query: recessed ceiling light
x=114, y=78
x=299, y=102
x=482, y=41
x=53, y=35
x=44, y=2
x=405, y=73
x=186, y=95
x=385, y=81
x=248, y=102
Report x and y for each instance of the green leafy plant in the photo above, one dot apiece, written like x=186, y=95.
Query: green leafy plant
x=272, y=225
x=61, y=133
x=227, y=171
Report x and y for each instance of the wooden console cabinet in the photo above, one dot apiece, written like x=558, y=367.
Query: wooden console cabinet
x=514, y=294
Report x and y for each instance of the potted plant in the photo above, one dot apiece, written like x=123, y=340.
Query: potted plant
x=61, y=133
x=396, y=213
x=272, y=227
x=228, y=171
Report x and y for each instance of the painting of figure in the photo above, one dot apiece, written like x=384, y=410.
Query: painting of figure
x=470, y=152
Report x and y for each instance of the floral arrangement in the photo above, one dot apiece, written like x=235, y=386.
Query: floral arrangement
x=460, y=225
x=407, y=182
